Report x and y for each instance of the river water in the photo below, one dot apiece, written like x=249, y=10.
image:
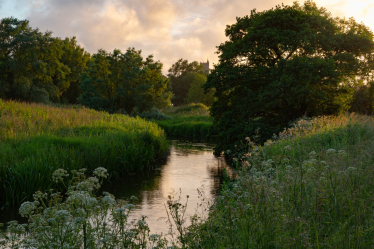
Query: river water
x=190, y=167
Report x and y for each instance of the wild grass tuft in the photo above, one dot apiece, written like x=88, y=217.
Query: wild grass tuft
x=311, y=188
x=38, y=139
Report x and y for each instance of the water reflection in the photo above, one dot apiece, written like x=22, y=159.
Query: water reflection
x=190, y=166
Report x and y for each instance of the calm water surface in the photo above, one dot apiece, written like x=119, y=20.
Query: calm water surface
x=190, y=166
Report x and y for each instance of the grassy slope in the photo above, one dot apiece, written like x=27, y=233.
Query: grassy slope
x=189, y=122
x=313, y=188
x=38, y=139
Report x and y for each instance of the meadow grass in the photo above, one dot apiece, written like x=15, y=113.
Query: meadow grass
x=37, y=139
x=188, y=122
x=312, y=188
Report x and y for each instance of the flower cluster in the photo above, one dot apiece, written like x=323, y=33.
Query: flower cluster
x=101, y=172
x=59, y=175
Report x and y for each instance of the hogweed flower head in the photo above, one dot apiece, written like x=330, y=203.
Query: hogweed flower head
x=330, y=152
x=27, y=209
x=59, y=174
x=101, y=172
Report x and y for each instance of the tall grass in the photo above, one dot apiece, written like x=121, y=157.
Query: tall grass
x=312, y=188
x=38, y=139
x=188, y=122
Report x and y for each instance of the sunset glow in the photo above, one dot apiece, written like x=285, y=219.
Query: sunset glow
x=168, y=29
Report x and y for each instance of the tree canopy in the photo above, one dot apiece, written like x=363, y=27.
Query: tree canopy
x=35, y=66
x=181, y=75
x=124, y=83
x=283, y=63
x=196, y=92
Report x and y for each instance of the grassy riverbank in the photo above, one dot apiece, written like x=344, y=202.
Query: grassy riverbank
x=188, y=122
x=38, y=139
x=312, y=188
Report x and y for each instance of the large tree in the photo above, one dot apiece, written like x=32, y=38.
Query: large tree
x=283, y=63
x=124, y=82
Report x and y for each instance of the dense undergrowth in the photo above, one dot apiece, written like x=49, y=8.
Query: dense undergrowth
x=38, y=139
x=312, y=188
x=188, y=122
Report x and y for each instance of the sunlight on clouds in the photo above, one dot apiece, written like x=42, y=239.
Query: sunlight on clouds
x=169, y=29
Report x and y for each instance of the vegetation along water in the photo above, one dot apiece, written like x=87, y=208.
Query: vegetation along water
x=188, y=122
x=281, y=103
x=37, y=139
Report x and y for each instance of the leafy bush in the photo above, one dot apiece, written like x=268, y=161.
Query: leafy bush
x=154, y=113
x=188, y=110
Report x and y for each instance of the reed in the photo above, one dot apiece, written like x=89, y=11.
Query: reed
x=37, y=139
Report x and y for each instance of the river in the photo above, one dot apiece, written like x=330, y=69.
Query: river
x=189, y=167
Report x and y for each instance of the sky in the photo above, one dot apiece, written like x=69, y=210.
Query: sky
x=168, y=29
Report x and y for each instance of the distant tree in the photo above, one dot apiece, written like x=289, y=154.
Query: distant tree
x=196, y=92
x=281, y=64
x=124, y=82
x=181, y=75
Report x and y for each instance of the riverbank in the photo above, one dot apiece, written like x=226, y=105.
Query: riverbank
x=313, y=187
x=190, y=122
x=37, y=139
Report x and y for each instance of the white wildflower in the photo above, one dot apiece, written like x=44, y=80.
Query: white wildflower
x=108, y=200
x=101, y=172
x=59, y=174
x=27, y=209
x=330, y=152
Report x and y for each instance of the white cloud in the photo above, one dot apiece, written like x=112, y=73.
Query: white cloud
x=168, y=29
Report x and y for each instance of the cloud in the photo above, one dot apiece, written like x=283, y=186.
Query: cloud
x=168, y=29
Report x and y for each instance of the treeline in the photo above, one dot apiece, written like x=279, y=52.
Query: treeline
x=186, y=81
x=37, y=67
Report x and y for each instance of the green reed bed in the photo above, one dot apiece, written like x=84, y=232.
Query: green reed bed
x=312, y=188
x=38, y=139
x=188, y=122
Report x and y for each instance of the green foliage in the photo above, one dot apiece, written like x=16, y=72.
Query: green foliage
x=193, y=109
x=35, y=66
x=363, y=99
x=76, y=59
x=155, y=114
x=311, y=188
x=182, y=74
x=189, y=122
x=283, y=63
x=196, y=92
x=38, y=139
x=124, y=83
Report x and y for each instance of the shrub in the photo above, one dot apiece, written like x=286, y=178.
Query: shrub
x=154, y=113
